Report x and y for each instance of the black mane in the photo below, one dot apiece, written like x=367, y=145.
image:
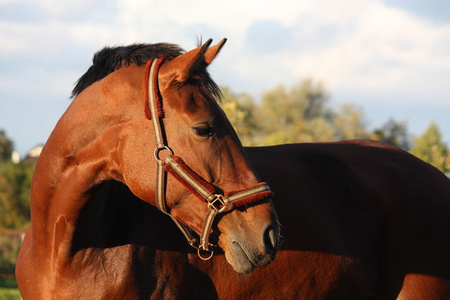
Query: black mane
x=110, y=59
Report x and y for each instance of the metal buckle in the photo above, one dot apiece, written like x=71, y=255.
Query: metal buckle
x=218, y=203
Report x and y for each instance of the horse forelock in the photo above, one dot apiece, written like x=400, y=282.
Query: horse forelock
x=110, y=59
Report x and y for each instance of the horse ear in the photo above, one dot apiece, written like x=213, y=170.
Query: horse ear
x=213, y=51
x=181, y=68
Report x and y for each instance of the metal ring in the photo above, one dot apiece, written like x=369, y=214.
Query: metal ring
x=205, y=257
x=158, y=150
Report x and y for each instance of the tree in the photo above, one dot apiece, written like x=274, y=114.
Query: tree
x=285, y=115
x=289, y=115
x=349, y=123
x=241, y=110
x=393, y=133
x=296, y=114
x=15, y=186
x=6, y=147
x=301, y=114
x=430, y=148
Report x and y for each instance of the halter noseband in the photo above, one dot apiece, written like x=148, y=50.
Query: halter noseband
x=217, y=202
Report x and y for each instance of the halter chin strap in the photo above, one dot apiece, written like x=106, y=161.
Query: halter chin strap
x=169, y=163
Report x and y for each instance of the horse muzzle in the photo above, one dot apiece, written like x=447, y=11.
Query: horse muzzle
x=245, y=246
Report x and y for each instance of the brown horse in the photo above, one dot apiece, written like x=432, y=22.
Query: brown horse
x=81, y=246
x=360, y=220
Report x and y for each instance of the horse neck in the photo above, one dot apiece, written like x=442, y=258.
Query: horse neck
x=76, y=158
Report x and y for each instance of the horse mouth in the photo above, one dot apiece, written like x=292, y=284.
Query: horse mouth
x=244, y=258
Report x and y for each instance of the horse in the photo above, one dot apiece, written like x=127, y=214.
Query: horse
x=145, y=116
x=360, y=220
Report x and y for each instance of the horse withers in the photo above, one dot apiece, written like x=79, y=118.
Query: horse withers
x=140, y=112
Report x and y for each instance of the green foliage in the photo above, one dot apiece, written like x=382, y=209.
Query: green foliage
x=297, y=114
x=8, y=282
x=8, y=289
x=6, y=147
x=301, y=114
x=15, y=186
x=9, y=249
x=349, y=123
x=289, y=115
x=241, y=111
x=393, y=133
x=430, y=148
x=9, y=294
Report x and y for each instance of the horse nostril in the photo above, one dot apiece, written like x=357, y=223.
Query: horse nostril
x=270, y=239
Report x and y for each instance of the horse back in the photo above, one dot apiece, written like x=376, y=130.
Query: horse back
x=384, y=213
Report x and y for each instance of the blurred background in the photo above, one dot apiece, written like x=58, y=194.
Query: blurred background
x=291, y=71
x=390, y=58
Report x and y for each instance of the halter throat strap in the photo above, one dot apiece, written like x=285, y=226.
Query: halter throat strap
x=217, y=203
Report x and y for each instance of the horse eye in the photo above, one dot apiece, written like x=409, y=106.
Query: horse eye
x=203, y=130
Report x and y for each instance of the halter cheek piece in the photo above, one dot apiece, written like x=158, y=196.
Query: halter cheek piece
x=216, y=202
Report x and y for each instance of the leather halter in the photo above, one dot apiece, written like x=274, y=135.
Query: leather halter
x=216, y=202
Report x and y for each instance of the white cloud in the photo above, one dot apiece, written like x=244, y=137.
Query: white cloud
x=355, y=47
x=5, y=2
x=361, y=44
x=57, y=8
x=371, y=47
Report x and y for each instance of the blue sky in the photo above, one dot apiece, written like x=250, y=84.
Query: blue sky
x=392, y=58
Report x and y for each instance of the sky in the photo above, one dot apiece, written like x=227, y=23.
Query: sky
x=391, y=58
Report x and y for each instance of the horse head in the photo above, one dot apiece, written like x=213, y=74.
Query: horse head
x=196, y=132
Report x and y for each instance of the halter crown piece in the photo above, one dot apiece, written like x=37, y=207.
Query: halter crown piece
x=217, y=203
